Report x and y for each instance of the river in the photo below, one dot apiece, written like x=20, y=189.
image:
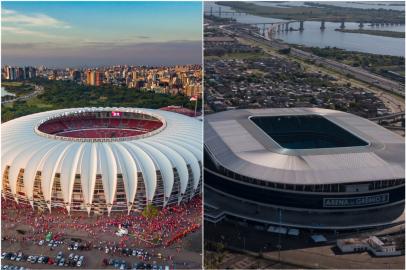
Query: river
x=313, y=36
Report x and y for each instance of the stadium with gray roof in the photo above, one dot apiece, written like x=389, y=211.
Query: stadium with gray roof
x=303, y=160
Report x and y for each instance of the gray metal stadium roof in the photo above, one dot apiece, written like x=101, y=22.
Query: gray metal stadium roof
x=241, y=146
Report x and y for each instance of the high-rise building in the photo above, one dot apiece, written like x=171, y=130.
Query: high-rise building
x=75, y=75
x=7, y=72
x=32, y=73
x=94, y=77
x=20, y=73
x=98, y=78
x=90, y=77
x=11, y=73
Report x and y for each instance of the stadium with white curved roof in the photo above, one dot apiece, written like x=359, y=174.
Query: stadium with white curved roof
x=321, y=168
x=101, y=159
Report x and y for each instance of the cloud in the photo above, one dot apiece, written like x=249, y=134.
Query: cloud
x=7, y=12
x=149, y=53
x=33, y=20
x=25, y=32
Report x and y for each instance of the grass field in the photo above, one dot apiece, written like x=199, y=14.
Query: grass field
x=11, y=84
x=36, y=102
x=380, y=33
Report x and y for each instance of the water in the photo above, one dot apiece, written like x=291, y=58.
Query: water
x=313, y=36
x=4, y=92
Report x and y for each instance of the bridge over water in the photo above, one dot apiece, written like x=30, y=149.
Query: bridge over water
x=285, y=25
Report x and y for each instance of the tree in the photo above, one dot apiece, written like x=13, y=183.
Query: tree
x=150, y=211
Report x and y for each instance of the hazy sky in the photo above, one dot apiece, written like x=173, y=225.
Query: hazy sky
x=62, y=34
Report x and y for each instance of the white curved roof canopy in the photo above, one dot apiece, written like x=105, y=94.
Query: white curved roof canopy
x=177, y=145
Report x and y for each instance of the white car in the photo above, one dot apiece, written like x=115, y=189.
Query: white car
x=41, y=242
x=59, y=256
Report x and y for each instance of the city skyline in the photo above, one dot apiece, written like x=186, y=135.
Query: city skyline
x=77, y=34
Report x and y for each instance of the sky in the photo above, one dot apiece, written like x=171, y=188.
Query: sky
x=90, y=34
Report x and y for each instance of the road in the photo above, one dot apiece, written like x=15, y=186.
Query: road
x=38, y=90
x=357, y=73
x=298, y=251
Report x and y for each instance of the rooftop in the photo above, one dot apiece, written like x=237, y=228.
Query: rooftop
x=239, y=142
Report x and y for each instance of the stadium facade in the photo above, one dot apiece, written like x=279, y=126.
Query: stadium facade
x=101, y=159
x=304, y=167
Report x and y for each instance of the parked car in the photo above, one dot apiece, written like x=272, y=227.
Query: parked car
x=19, y=256
x=79, y=263
x=40, y=259
x=59, y=256
x=34, y=259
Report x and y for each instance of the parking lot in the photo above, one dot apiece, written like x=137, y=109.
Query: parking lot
x=96, y=238
x=61, y=260
x=65, y=254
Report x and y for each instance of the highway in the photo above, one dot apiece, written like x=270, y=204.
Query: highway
x=357, y=73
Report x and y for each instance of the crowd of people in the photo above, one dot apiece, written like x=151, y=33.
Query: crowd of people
x=168, y=227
